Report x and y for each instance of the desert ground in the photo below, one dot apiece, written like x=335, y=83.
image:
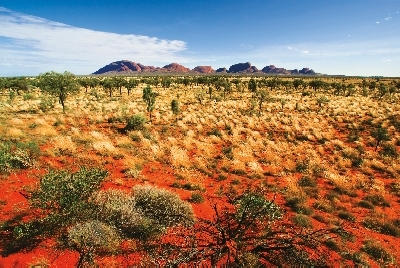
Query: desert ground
x=319, y=163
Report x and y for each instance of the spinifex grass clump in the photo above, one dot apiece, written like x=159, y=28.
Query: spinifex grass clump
x=17, y=155
x=71, y=208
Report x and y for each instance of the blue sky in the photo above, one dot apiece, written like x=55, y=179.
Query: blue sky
x=352, y=37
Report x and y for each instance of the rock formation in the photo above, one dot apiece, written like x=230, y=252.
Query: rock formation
x=203, y=69
x=126, y=66
x=221, y=70
x=243, y=68
x=176, y=68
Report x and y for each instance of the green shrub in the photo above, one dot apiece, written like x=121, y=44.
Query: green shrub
x=377, y=252
x=228, y=152
x=214, y=132
x=390, y=150
x=66, y=194
x=28, y=96
x=366, y=204
x=17, y=156
x=46, y=103
x=196, y=197
x=332, y=244
x=117, y=207
x=302, y=220
x=377, y=200
x=191, y=187
x=301, y=166
x=162, y=206
x=306, y=181
x=135, y=122
x=383, y=227
x=92, y=237
x=239, y=172
x=346, y=215
x=221, y=177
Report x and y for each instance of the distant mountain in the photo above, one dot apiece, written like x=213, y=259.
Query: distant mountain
x=126, y=66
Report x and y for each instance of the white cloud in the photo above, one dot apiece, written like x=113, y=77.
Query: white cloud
x=42, y=45
x=304, y=51
x=351, y=57
x=377, y=22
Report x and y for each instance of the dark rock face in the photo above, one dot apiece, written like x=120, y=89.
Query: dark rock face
x=203, y=69
x=241, y=68
x=307, y=71
x=176, y=68
x=271, y=69
x=221, y=70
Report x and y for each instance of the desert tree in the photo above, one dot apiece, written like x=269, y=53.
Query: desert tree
x=316, y=84
x=287, y=84
x=351, y=89
x=210, y=91
x=200, y=95
x=131, y=84
x=247, y=230
x=236, y=81
x=60, y=85
x=175, y=108
x=166, y=82
x=383, y=90
x=261, y=96
x=380, y=134
x=372, y=86
x=119, y=83
x=283, y=101
x=84, y=82
x=322, y=100
x=298, y=83
x=226, y=87
x=252, y=85
x=108, y=85
x=149, y=98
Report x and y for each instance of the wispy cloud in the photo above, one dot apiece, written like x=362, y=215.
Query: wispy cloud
x=42, y=45
x=352, y=57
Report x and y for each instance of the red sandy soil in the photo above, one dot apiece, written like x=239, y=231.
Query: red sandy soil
x=163, y=176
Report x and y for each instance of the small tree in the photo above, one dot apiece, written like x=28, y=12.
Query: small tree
x=108, y=85
x=175, y=108
x=131, y=84
x=298, y=83
x=135, y=122
x=252, y=85
x=380, y=134
x=261, y=96
x=59, y=85
x=283, y=101
x=246, y=228
x=150, y=98
x=322, y=100
x=92, y=238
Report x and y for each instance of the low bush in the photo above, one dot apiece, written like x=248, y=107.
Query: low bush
x=17, y=155
x=346, y=215
x=135, y=122
x=377, y=252
x=196, y=197
x=302, y=220
x=366, y=204
x=377, y=200
x=306, y=181
x=92, y=238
